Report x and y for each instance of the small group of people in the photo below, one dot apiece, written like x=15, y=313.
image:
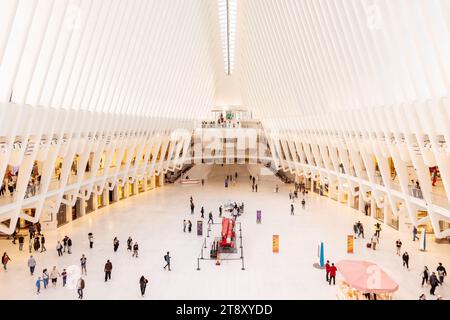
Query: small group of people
x=187, y=224
x=358, y=230
x=433, y=280
x=46, y=276
x=330, y=270
x=134, y=247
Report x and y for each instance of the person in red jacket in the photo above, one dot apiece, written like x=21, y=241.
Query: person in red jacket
x=327, y=270
x=333, y=270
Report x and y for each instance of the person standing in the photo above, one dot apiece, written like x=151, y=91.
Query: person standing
x=333, y=270
x=303, y=203
x=374, y=241
x=31, y=264
x=135, y=249
x=5, y=260
x=378, y=229
x=441, y=272
x=65, y=243
x=21, y=241
x=69, y=246
x=37, y=244
x=256, y=188
x=129, y=243
x=167, y=259
x=192, y=207
x=434, y=282
x=220, y=211
x=91, y=239
x=415, y=232
x=405, y=258
x=115, y=244
x=43, y=244
x=184, y=225
x=59, y=248
x=54, y=276
x=45, y=277
x=355, y=230
x=210, y=220
x=202, y=211
x=360, y=230
x=276, y=188
x=253, y=188
x=143, y=284
x=292, y=209
x=80, y=287
x=83, y=262
x=425, y=275
x=38, y=285
x=398, y=244
x=108, y=270
x=327, y=270
x=189, y=226
x=64, y=277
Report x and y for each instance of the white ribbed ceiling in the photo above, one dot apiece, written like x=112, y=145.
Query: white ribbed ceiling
x=167, y=58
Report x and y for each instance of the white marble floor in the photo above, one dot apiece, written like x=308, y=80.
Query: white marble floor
x=154, y=219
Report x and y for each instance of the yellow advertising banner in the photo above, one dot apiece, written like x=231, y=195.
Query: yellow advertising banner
x=275, y=243
x=349, y=244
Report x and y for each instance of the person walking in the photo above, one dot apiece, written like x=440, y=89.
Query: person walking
x=378, y=229
x=415, y=232
x=129, y=244
x=115, y=244
x=355, y=230
x=143, y=284
x=434, y=282
x=253, y=188
x=45, y=277
x=256, y=188
x=441, y=272
x=31, y=264
x=135, y=249
x=398, y=244
x=167, y=259
x=65, y=242
x=80, y=287
x=189, y=226
x=360, y=230
x=21, y=242
x=374, y=241
x=91, y=240
x=54, y=274
x=220, y=211
x=210, y=218
x=192, y=207
x=327, y=270
x=64, y=277
x=425, y=275
x=5, y=260
x=108, y=270
x=292, y=209
x=184, y=225
x=333, y=270
x=83, y=262
x=303, y=203
x=38, y=285
x=43, y=244
x=202, y=211
x=69, y=246
x=405, y=258
x=59, y=249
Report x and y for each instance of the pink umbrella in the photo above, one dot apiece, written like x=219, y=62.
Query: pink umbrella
x=366, y=276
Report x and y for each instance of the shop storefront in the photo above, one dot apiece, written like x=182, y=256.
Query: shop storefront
x=379, y=213
x=428, y=227
x=131, y=189
x=100, y=201
x=141, y=185
x=61, y=216
x=76, y=209
x=111, y=195
x=121, y=192
x=90, y=204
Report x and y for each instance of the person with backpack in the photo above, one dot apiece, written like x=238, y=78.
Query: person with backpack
x=115, y=244
x=108, y=270
x=143, y=284
x=69, y=246
x=80, y=287
x=5, y=260
x=83, y=262
x=91, y=240
x=31, y=264
x=167, y=259
x=441, y=272
x=434, y=282
x=59, y=249
x=135, y=250
x=425, y=275
x=378, y=229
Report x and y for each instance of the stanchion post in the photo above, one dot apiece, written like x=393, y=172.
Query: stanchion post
x=198, y=264
x=243, y=268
